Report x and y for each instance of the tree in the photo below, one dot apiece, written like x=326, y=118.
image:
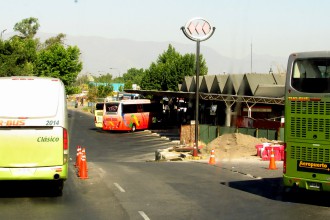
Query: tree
x=17, y=56
x=23, y=54
x=27, y=27
x=59, y=62
x=128, y=85
x=152, y=78
x=81, y=80
x=104, y=78
x=99, y=91
x=134, y=76
x=59, y=39
x=170, y=69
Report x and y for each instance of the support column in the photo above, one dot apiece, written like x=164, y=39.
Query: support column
x=228, y=115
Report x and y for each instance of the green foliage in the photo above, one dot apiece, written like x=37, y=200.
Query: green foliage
x=24, y=55
x=128, y=84
x=27, y=27
x=82, y=83
x=170, y=69
x=101, y=91
x=59, y=39
x=121, y=88
x=81, y=80
x=152, y=78
x=133, y=76
x=59, y=62
x=104, y=78
x=17, y=56
x=73, y=89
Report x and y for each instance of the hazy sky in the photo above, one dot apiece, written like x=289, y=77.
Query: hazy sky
x=275, y=27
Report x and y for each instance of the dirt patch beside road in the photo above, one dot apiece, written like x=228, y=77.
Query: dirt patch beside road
x=232, y=146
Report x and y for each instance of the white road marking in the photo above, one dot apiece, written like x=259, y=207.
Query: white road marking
x=119, y=187
x=101, y=170
x=144, y=216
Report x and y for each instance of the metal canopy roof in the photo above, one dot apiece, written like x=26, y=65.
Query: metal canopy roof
x=248, y=88
x=269, y=90
x=211, y=96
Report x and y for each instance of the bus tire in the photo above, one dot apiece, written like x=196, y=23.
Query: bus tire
x=133, y=129
x=57, y=187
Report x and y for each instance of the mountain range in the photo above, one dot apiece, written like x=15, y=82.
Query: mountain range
x=103, y=55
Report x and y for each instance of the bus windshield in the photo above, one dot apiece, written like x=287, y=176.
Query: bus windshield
x=311, y=75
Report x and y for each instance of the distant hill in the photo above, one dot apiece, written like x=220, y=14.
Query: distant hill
x=116, y=56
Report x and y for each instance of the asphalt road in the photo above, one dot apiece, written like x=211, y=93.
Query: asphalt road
x=125, y=183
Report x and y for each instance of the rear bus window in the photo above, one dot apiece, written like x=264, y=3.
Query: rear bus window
x=111, y=108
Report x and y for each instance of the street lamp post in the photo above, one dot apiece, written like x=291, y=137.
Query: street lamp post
x=197, y=29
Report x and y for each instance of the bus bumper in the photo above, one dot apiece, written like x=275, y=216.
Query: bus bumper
x=35, y=173
x=308, y=184
x=99, y=124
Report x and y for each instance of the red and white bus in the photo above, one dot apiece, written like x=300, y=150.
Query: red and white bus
x=130, y=115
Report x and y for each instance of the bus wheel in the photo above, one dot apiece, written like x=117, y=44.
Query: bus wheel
x=133, y=128
x=57, y=187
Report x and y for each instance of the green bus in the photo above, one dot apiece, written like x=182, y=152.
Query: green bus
x=307, y=121
x=34, y=130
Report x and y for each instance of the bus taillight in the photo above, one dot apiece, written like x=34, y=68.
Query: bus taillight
x=65, y=146
x=65, y=139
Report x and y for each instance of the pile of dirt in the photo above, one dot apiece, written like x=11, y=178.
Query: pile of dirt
x=231, y=146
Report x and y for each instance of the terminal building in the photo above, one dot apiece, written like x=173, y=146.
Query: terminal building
x=231, y=100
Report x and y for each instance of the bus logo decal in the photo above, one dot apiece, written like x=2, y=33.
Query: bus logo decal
x=135, y=119
x=314, y=167
x=48, y=139
x=12, y=122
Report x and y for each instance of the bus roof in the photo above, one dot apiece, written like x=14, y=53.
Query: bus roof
x=132, y=101
x=311, y=54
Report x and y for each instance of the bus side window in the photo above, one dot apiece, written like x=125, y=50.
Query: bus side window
x=299, y=70
x=139, y=108
x=130, y=108
x=327, y=72
x=311, y=69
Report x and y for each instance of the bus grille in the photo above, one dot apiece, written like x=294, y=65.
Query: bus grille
x=310, y=118
x=315, y=154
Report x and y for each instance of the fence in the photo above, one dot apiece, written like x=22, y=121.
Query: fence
x=207, y=133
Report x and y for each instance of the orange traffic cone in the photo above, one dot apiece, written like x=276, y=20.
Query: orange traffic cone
x=83, y=168
x=84, y=153
x=272, y=164
x=78, y=157
x=212, y=158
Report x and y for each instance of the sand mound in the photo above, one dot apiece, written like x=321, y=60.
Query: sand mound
x=230, y=146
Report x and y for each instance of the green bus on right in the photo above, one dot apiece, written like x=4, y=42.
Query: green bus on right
x=307, y=121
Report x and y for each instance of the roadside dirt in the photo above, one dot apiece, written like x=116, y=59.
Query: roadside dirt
x=234, y=146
